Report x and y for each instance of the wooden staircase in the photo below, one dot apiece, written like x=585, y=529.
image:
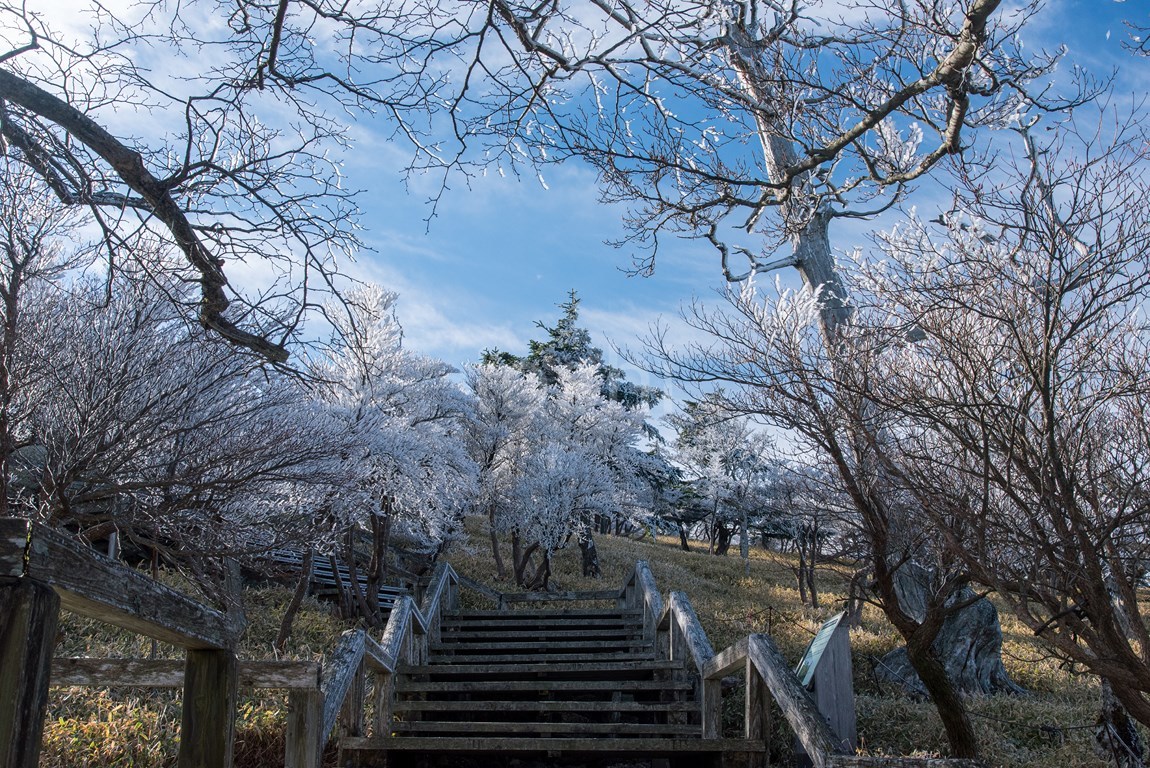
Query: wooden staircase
x=569, y=686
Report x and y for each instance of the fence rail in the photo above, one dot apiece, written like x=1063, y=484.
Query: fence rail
x=42, y=572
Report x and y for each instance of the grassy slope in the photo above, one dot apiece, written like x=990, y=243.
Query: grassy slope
x=730, y=605
x=121, y=728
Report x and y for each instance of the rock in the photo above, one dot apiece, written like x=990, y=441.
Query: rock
x=969, y=644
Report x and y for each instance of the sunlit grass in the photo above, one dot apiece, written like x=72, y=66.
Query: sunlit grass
x=110, y=727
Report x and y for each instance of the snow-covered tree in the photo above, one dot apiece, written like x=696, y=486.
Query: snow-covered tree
x=405, y=464
x=727, y=463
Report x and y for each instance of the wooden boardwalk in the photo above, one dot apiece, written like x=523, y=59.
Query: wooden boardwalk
x=622, y=675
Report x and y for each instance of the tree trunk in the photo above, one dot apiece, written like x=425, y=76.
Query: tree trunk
x=590, y=556
x=1116, y=737
x=500, y=568
x=296, y=598
x=722, y=539
x=951, y=709
x=683, y=544
x=377, y=567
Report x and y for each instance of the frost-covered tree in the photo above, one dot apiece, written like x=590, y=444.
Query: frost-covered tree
x=147, y=426
x=1020, y=406
x=405, y=464
x=728, y=464
x=551, y=459
x=500, y=428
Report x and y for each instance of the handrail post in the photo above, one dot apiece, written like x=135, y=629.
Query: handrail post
x=757, y=711
x=351, y=714
x=208, y=724
x=304, y=746
x=29, y=611
x=712, y=706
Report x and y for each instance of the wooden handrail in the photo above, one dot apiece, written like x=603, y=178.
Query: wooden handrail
x=678, y=615
x=341, y=671
x=811, y=728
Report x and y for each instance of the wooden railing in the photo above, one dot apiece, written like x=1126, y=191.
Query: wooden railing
x=409, y=631
x=43, y=572
x=680, y=635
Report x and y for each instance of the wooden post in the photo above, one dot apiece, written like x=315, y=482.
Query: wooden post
x=826, y=671
x=304, y=744
x=757, y=714
x=712, y=708
x=28, y=614
x=384, y=700
x=207, y=730
x=351, y=715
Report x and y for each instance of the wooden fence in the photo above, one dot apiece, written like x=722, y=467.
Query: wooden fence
x=768, y=677
x=43, y=571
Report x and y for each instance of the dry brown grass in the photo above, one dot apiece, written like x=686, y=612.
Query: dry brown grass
x=1045, y=728
x=138, y=729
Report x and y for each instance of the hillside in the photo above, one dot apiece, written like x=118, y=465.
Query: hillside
x=136, y=728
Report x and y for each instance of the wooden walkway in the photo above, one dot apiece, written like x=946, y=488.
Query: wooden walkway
x=631, y=677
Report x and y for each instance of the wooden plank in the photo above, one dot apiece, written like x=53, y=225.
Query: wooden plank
x=169, y=673
x=608, y=665
x=503, y=727
x=712, y=708
x=855, y=761
x=376, y=658
x=28, y=618
x=339, y=674
x=423, y=705
x=652, y=602
x=543, y=613
x=13, y=543
x=669, y=746
x=833, y=687
x=100, y=588
x=396, y=628
x=799, y=710
x=304, y=746
x=757, y=709
x=679, y=610
x=482, y=589
x=351, y=714
x=553, y=686
x=554, y=597
x=207, y=727
x=384, y=701
x=726, y=662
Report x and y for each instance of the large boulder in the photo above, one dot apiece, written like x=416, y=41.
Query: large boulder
x=969, y=643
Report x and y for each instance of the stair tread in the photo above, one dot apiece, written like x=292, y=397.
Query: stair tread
x=547, y=613
x=478, y=686
x=553, y=744
x=619, y=730
x=489, y=635
x=471, y=658
x=449, y=623
x=531, y=644
x=588, y=666
x=417, y=705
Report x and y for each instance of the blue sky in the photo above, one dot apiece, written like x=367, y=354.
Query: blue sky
x=503, y=252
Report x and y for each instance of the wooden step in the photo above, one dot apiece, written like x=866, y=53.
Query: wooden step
x=551, y=746
x=536, y=707
x=506, y=729
x=534, y=668
x=540, y=658
x=542, y=634
x=404, y=685
x=544, y=613
x=543, y=621
x=597, y=646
